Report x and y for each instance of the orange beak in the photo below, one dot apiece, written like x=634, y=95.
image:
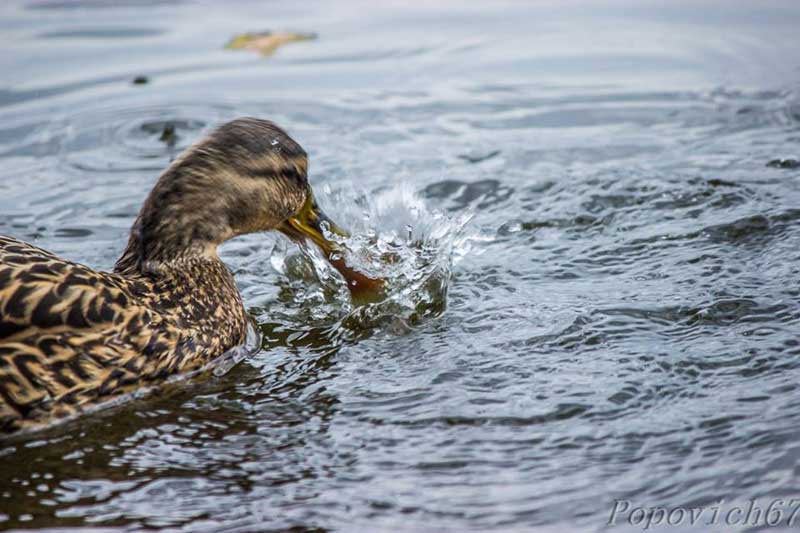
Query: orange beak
x=311, y=223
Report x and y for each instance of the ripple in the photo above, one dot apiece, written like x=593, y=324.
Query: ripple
x=133, y=139
x=90, y=33
x=481, y=194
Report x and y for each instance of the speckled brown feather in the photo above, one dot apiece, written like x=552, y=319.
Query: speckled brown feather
x=72, y=337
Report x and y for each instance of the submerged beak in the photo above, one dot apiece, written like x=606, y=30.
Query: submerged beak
x=311, y=223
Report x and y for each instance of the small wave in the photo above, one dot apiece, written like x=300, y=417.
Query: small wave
x=139, y=138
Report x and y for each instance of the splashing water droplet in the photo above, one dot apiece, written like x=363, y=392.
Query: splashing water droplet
x=278, y=257
x=395, y=237
x=325, y=226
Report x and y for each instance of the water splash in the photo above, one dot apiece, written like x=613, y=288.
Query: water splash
x=394, y=236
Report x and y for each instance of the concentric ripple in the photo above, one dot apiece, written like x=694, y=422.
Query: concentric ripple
x=110, y=139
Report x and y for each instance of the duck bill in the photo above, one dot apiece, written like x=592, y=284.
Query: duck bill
x=312, y=224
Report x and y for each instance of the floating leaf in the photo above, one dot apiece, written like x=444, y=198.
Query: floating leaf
x=266, y=42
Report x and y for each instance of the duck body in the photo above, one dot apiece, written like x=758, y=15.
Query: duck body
x=72, y=338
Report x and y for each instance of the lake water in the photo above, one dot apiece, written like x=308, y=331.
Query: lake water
x=622, y=315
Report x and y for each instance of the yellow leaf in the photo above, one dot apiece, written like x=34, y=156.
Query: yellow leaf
x=267, y=42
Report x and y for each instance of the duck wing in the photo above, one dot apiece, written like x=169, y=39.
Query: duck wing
x=42, y=292
x=69, y=335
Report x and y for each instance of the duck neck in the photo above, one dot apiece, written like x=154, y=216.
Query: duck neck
x=178, y=221
x=153, y=254
x=173, y=248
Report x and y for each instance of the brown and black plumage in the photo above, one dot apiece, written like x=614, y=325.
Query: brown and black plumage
x=72, y=337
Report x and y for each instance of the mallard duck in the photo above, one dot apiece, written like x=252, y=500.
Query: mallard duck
x=72, y=337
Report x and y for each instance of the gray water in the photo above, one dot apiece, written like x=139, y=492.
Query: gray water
x=623, y=323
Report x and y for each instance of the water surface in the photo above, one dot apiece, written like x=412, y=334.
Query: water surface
x=624, y=323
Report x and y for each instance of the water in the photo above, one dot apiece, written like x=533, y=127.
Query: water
x=397, y=239
x=618, y=319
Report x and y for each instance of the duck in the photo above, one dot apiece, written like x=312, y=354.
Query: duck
x=73, y=338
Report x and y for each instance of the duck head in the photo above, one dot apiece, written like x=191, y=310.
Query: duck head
x=247, y=176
